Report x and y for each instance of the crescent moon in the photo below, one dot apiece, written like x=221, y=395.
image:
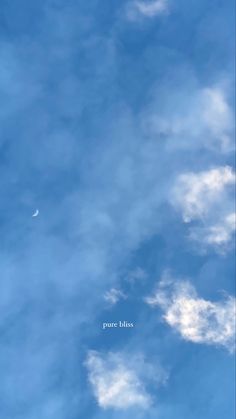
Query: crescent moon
x=36, y=213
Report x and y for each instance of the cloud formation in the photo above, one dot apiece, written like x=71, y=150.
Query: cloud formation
x=204, y=120
x=196, y=193
x=77, y=151
x=114, y=295
x=218, y=116
x=115, y=384
x=219, y=235
x=148, y=9
x=222, y=233
x=196, y=319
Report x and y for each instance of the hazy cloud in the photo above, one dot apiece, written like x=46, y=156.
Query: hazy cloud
x=148, y=9
x=219, y=235
x=136, y=275
x=115, y=384
x=203, y=120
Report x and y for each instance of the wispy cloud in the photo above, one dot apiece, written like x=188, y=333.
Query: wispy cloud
x=114, y=295
x=148, y=9
x=222, y=233
x=136, y=275
x=115, y=384
x=218, y=116
x=219, y=235
x=196, y=319
x=204, y=120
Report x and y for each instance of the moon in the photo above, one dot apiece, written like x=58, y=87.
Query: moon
x=36, y=213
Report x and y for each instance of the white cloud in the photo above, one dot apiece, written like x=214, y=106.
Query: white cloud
x=115, y=384
x=217, y=115
x=203, y=120
x=222, y=233
x=219, y=235
x=196, y=319
x=151, y=8
x=114, y=295
x=147, y=9
x=196, y=193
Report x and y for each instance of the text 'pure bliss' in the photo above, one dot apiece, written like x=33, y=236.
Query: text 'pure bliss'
x=120, y=324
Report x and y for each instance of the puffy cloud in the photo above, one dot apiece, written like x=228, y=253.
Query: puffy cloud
x=196, y=319
x=196, y=193
x=115, y=384
x=114, y=295
x=147, y=9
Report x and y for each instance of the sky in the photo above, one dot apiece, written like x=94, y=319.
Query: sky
x=117, y=125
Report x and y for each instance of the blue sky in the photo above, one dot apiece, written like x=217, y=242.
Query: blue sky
x=117, y=124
